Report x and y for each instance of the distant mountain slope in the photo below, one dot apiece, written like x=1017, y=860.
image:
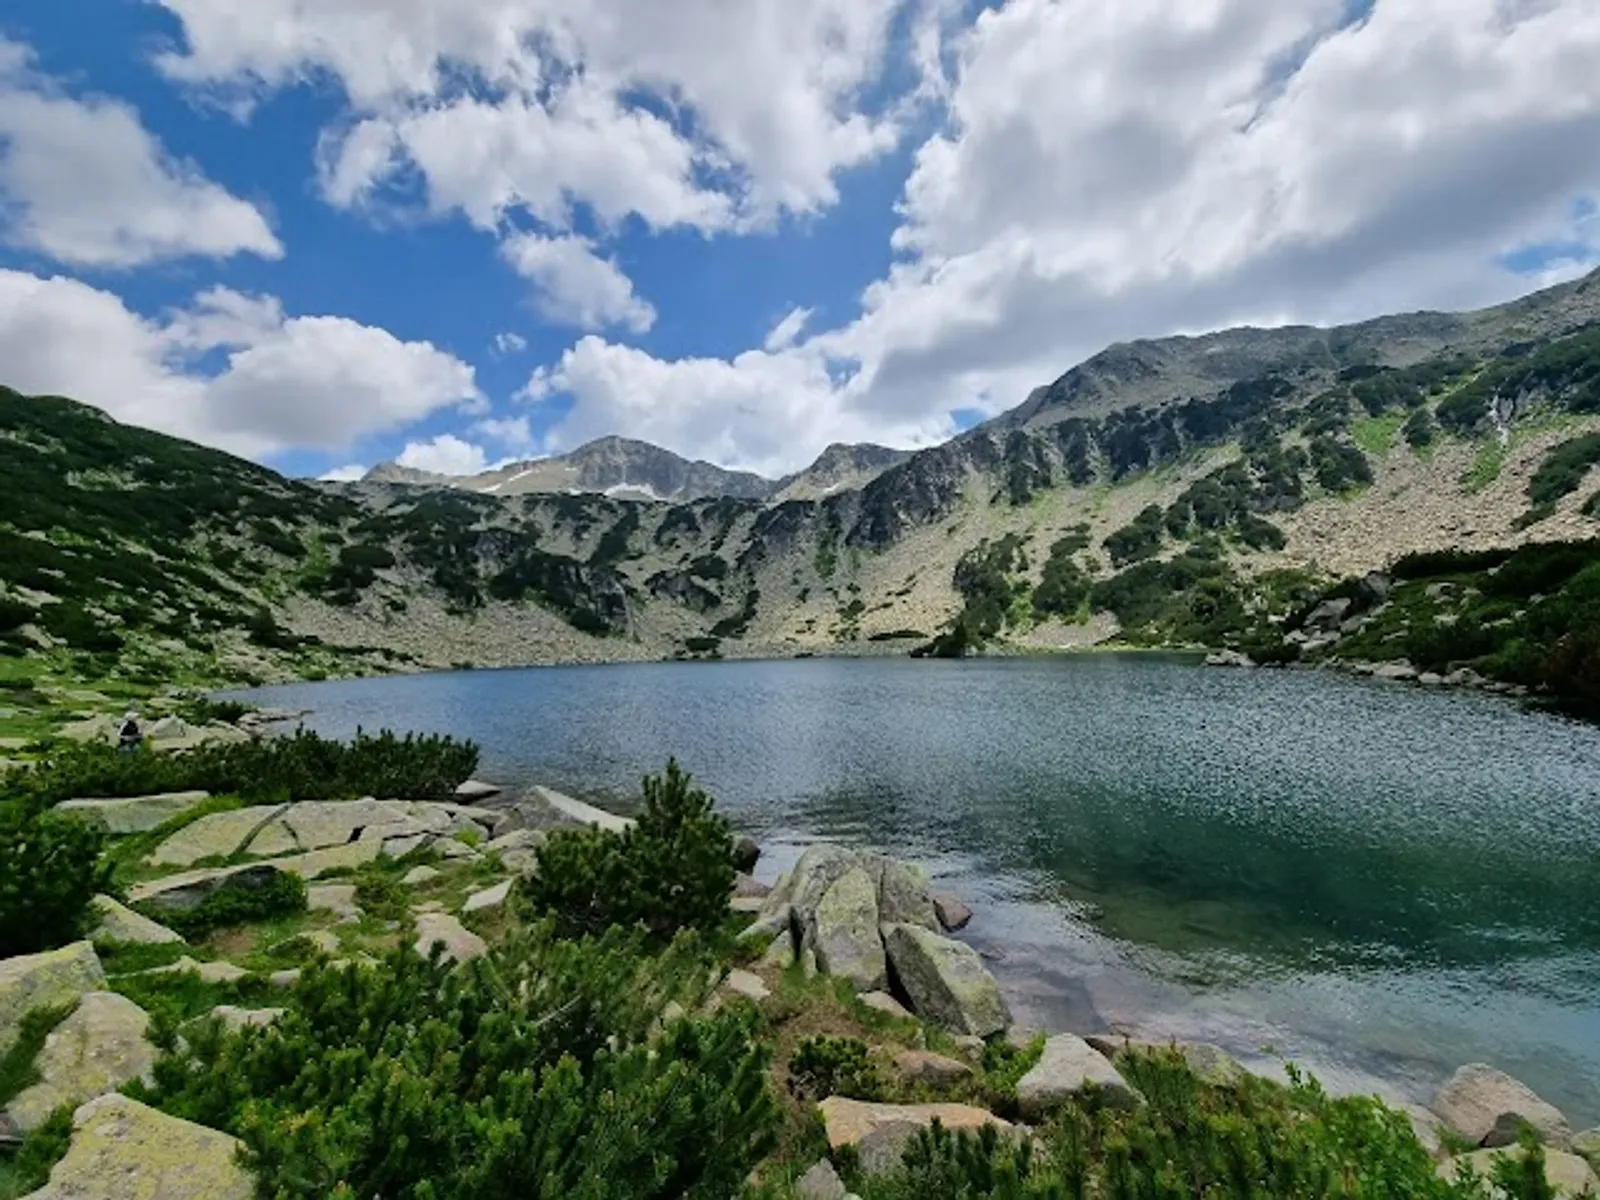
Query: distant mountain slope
x=629, y=469
x=1187, y=491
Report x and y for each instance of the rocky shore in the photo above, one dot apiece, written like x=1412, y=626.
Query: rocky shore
x=854, y=916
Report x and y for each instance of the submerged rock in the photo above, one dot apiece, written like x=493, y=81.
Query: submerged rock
x=123, y=1149
x=953, y=914
x=946, y=981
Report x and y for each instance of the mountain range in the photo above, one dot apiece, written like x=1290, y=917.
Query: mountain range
x=1187, y=490
x=633, y=470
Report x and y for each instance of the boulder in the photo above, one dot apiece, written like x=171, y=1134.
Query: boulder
x=1068, y=1070
x=1329, y=614
x=418, y=876
x=887, y=1005
x=929, y=1069
x=336, y=822
x=246, y=1018
x=953, y=915
x=879, y=1132
x=544, y=808
x=313, y=864
x=337, y=898
x=1395, y=672
x=215, y=835
x=1211, y=1063
x=460, y=944
x=1567, y=1174
x=745, y=854
x=821, y=1182
x=118, y=923
x=946, y=981
x=816, y=871
x=1587, y=1145
x=746, y=984
x=474, y=790
x=96, y=1050
x=905, y=893
x=188, y=890
x=1228, y=658
x=123, y=1149
x=488, y=898
x=1487, y=1106
x=843, y=931
x=49, y=980
x=135, y=814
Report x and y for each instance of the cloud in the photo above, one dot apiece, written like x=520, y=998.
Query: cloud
x=515, y=433
x=84, y=183
x=348, y=473
x=510, y=343
x=1117, y=171
x=314, y=382
x=785, y=332
x=445, y=455
x=575, y=286
x=535, y=102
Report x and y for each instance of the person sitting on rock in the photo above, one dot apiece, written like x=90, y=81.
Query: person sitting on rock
x=129, y=738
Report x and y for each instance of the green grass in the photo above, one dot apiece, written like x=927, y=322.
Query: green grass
x=1486, y=467
x=1376, y=435
x=17, y=1072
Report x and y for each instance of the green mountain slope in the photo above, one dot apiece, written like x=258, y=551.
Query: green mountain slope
x=1189, y=490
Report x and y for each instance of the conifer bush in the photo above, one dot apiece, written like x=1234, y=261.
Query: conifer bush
x=542, y=1071
x=671, y=870
x=50, y=868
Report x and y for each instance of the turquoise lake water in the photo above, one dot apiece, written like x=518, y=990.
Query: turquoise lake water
x=1380, y=881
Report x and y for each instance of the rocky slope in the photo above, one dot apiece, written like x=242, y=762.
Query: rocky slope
x=1177, y=490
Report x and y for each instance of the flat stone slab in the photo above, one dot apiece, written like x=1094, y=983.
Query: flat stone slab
x=929, y=1069
x=189, y=889
x=337, y=898
x=126, y=1150
x=208, y=972
x=135, y=814
x=235, y=1017
x=887, y=1005
x=216, y=835
x=118, y=923
x=879, y=1132
x=96, y=1050
x=47, y=980
x=418, y=876
x=474, y=790
x=747, y=984
x=490, y=897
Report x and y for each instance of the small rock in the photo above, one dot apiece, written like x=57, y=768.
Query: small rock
x=123, y=1149
x=460, y=944
x=821, y=1182
x=970, y=1047
x=474, y=790
x=953, y=915
x=1210, y=1063
x=885, y=1003
x=749, y=905
x=745, y=854
x=1567, y=1174
x=1067, y=1071
x=96, y=1050
x=1430, y=679
x=47, y=980
x=880, y=1131
x=452, y=849
x=418, y=876
x=930, y=1069
x=1228, y=658
x=518, y=850
x=246, y=1018
x=119, y=923
x=746, y=984
x=745, y=886
x=493, y=897
x=1395, y=672
x=284, y=980
x=1486, y=1106
x=337, y=898
x=1587, y=1145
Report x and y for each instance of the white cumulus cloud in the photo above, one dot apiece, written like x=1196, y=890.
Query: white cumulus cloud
x=444, y=455
x=574, y=285
x=83, y=182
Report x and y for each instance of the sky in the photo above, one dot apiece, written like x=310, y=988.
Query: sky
x=459, y=232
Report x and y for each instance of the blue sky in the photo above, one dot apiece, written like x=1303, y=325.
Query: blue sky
x=327, y=235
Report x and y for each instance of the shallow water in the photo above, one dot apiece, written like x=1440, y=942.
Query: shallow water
x=1383, y=882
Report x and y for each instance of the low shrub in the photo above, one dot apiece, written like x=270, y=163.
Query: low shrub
x=823, y=1066
x=543, y=1071
x=671, y=870
x=282, y=895
x=50, y=868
